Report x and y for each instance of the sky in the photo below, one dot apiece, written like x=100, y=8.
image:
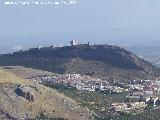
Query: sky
x=120, y=22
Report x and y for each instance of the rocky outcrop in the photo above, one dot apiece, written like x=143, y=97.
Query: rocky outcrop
x=22, y=99
x=26, y=92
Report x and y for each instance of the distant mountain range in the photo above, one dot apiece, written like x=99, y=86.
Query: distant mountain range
x=103, y=61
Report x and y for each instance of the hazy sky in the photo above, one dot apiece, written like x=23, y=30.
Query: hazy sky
x=98, y=21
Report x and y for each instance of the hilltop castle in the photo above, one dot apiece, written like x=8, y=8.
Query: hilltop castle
x=73, y=42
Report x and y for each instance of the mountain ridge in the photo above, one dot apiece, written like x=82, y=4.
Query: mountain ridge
x=105, y=61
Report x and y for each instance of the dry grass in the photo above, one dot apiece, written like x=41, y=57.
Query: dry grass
x=45, y=99
x=7, y=77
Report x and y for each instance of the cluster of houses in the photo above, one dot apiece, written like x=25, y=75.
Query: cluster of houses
x=119, y=107
x=74, y=80
x=148, y=92
x=145, y=92
x=80, y=82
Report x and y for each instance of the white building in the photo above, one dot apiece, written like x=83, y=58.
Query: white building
x=73, y=42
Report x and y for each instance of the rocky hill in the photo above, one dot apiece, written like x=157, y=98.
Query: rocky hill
x=22, y=99
x=102, y=61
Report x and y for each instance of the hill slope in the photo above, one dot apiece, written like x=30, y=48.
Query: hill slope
x=104, y=61
x=22, y=99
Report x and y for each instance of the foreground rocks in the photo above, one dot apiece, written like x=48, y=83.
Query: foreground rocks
x=18, y=102
x=26, y=92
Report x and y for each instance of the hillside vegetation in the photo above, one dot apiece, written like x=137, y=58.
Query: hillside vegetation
x=101, y=61
x=99, y=103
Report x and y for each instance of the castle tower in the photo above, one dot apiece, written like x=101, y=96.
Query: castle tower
x=73, y=42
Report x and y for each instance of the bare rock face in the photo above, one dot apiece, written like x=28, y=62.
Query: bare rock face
x=26, y=92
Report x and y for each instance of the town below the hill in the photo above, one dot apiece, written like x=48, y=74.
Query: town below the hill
x=140, y=93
